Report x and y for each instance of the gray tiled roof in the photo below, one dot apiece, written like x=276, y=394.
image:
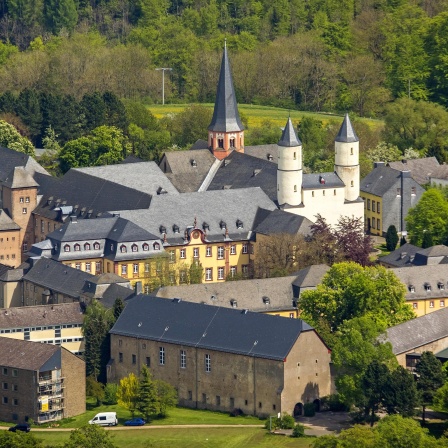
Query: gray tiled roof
x=225, y=115
x=145, y=177
x=380, y=180
x=418, y=332
x=10, y=159
x=346, y=133
x=26, y=355
x=421, y=169
x=313, y=181
x=401, y=257
x=19, y=177
x=289, y=137
x=265, y=152
x=6, y=223
x=279, y=221
x=441, y=172
x=243, y=171
x=42, y=315
x=310, y=276
x=210, y=207
x=248, y=294
x=209, y=327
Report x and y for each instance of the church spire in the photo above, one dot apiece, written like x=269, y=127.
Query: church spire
x=289, y=137
x=347, y=134
x=226, y=131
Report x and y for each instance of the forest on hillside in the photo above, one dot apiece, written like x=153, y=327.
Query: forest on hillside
x=317, y=55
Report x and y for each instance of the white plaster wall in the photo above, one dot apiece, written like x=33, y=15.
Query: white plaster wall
x=286, y=159
x=286, y=181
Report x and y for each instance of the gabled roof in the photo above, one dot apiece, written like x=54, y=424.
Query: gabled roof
x=240, y=170
x=439, y=250
x=19, y=177
x=380, y=180
x=26, y=355
x=441, y=172
x=289, y=137
x=261, y=295
x=264, y=152
x=225, y=115
x=421, y=169
x=10, y=159
x=418, y=332
x=6, y=223
x=209, y=327
x=279, y=221
x=346, y=133
x=310, y=276
x=401, y=257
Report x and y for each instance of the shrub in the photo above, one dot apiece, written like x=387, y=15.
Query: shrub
x=110, y=393
x=287, y=421
x=309, y=410
x=333, y=403
x=298, y=431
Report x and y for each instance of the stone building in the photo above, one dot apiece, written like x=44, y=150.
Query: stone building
x=222, y=359
x=40, y=382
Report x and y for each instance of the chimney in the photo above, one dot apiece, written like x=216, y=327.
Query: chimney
x=73, y=218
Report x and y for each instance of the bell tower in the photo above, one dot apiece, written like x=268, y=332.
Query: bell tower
x=226, y=132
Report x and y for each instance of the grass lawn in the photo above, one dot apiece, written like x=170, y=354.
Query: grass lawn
x=206, y=437
x=257, y=114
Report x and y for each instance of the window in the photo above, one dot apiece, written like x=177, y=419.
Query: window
x=5, y=386
x=15, y=402
x=208, y=365
x=134, y=248
x=123, y=249
x=148, y=361
x=172, y=255
x=183, y=253
x=77, y=247
x=218, y=400
x=42, y=226
x=431, y=304
x=204, y=398
x=88, y=268
x=312, y=194
x=442, y=303
x=373, y=223
x=351, y=151
x=120, y=342
x=245, y=270
x=415, y=305
x=5, y=400
x=124, y=269
x=120, y=357
x=27, y=199
x=134, y=359
x=49, y=227
x=295, y=188
x=378, y=207
x=15, y=372
x=334, y=192
x=398, y=191
x=183, y=359
x=156, y=246
x=427, y=287
x=411, y=288
x=233, y=249
x=5, y=371
x=208, y=274
x=162, y=356
x=413, y=191
x=15, y=387
x=96, y=246
x=21, y=200
x=208, y=251
x=221, y=273
x=220, y=143
x=378, y=224
x=368, y=204
x=145, y=247
x=233, y=270
x=220, y=252
x=295, y=155
x=245, y=248
x=98, y=267
x=291, y=315
x=78, y=266
x=195, y=252
x=190, y=395
x=24, y=210
x=441, y=286
x=373, y=206
x=146, y=267
x=135, y=268
x=260, y=404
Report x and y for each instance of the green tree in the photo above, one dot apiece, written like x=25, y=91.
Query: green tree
x=427, y=240
x=95, y=389
x=110, y=393
x=28, y=109
x=118, y=308
x=400, y=393
x=391, y=238
x=19, y=439
x=430, y=377
x=384, y=152
x=373, y=384
x=166, y=396
x=60, y=14
x=10, y=138
x=128, y=393
x=95, y=329
x=430, y=215
x=89, y=436
x=147, y=400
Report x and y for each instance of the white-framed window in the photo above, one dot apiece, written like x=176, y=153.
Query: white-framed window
x=24, y=210
x=88, y=267
x=123, y=249
x=182, y=277
x=146, y=267
x=245, y=270
x=172, y=255
x=208, y=274
x=162, y=356
x=21, y=200
x=373, y=206
x=245, y=248
x=98, y=267
x=87, y=246
x=431, y=304
x=77, y=247
x=134, y=248
x=208, y=363
x=220, y=273
x=135, y=268
x=66, y=248
x=196, y=252
x=124, y=269
x=183, y=359
x=78, y=266
x=233, y=271
x=42, y=226
x=442, y=303
x=233, y=249
x=145, y=247
x=27, y=199
x=220, y=252
x=96, y=246
x=156, y=246
x=415, y=305
x=183, y=253
x=208, y=251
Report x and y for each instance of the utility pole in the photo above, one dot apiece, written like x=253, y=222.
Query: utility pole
x=164, y=69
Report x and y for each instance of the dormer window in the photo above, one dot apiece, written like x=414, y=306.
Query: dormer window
x=87, y=246
x=427, y=287
x=222, y=225
x=77, y=247
x=66, y=248
x=411, y=288
x=145, y=247
x=194, y=163
x=239, y=224
x=270, y=157
x=123, y=249
x=156, y=246
x=134, y=248
x=233, y=303
x=96, y=246
x=205, y=226
x=266, y=300
x=162, y=229
x=161, y=190
x=321, y=180
x=176, y=228
x=441, y=286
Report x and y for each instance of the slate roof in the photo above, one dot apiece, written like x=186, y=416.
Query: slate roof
x=6, y=223
x=42, y=315
x=209, y=327
x=3, y=269
x=312, y=181
x=265, y=152
x=311, y=276
x=114, y=292
x=248, y=294
x=225, y=115
x=418, y=332
x=19, y=177
x=279, y=221
x=401, y=257
x=211, y=207
x=380, y=180
x=421, y=169
x=11, y=275
x=289, y=137
x=346, y=132
x=240, y=170
x=11, y=159
x=199, y=144
x=25, y=355
x=432, y=255
x=145, y=177
x=441, y=172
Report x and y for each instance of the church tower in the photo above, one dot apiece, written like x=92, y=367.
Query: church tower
x=226, y=132
x=346, y=147
x=289, y=168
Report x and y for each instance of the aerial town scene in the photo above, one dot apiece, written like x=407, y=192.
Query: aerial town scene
x=223, y=224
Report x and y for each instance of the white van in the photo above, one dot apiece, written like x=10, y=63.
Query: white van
x=104, y=419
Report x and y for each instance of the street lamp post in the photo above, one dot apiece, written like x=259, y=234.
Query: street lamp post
x=164, y=69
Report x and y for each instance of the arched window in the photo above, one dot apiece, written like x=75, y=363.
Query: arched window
x=96, y=246
x=145, y=247
x=87, y=246
x=134, y=248
x=66, y=248
x=156, y=246
x=77, y=247
x=123, y=249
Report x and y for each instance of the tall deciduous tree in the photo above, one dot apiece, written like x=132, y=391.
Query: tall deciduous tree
x=10, y=138
x=128, y=393
x=166, y=395
x=90, y=436
x=400, y=393
x=373, y=384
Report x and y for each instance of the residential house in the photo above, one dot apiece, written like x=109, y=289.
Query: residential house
x=40, y=382
x=421, y=169
x=410, y=255
x=222, y=359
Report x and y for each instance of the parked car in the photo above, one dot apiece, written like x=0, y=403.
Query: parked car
x=137, y=421
x=25, y=427
x=105, y=419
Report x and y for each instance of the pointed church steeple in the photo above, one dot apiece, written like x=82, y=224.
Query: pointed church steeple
x=346, y=134
x=226, y=131
x=289, y=137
